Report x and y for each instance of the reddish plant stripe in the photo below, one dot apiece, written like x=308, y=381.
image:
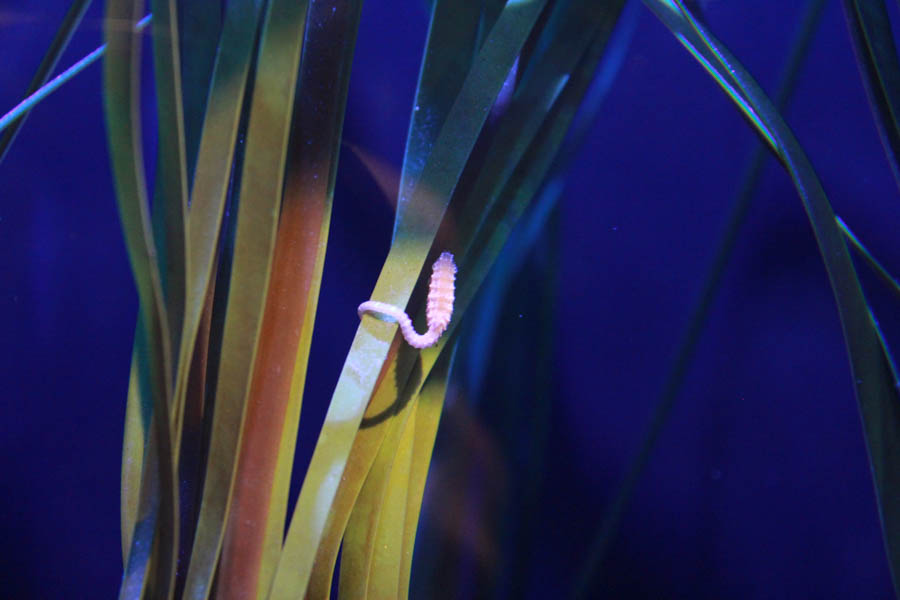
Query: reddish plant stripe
x=292, y=271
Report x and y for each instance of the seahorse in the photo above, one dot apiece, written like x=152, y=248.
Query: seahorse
x=438, y=309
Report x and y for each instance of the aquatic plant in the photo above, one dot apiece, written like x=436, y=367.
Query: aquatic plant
x=228, y=259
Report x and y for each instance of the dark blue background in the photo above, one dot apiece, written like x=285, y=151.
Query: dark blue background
x=760, y=485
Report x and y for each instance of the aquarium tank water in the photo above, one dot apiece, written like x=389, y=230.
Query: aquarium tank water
x=449, y=299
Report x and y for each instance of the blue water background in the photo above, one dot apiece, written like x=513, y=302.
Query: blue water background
x=760, y=486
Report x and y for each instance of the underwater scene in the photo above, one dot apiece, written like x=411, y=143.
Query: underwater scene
x=449, y=299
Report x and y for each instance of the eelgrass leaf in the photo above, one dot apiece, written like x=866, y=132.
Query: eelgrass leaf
x=487, y=236
x=609, y=523
x=138, y=409
x=529, y=424
x=212, y=176
x=387, y=555
x=495, y=231
x=60, y=41
x=23, y=107
x=361, y=535
x=522, y=183
x=360, y=499
x=416, y=227
x=889, y=280
x=669, y=13
x=429, y=407
x=256, y=522
x=515, y=196
x=570, y=30
x=485, y=316
x=312, y=171
x=138, y=415
x=449, y=51
x=170, y=195
x=876, y=383
x=876, y=54
x=209, y=190
x=200, y=29
x=258, y=206
x=491, y=237
x=169, y=206
x=193, y=435
x=388, y=396
x=387, y=403
x=450, y=47
x=490, y=12
x=378, y=412
x=136, y=429
x=371, y=480
x=122, y=109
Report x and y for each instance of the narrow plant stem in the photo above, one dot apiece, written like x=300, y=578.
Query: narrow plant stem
x=609, y=525
x=873, y=262
x=869, y=26
x=51, y=86
x=60, y=41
